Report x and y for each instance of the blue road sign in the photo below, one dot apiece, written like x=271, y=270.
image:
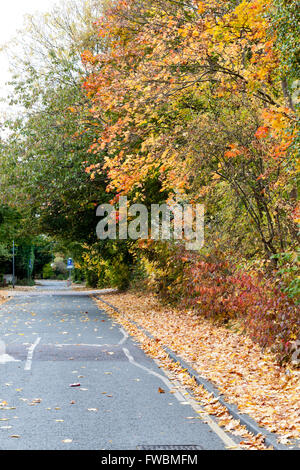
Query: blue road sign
x=70, y=264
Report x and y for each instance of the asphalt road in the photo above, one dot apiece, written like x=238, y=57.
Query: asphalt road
x=52, y=338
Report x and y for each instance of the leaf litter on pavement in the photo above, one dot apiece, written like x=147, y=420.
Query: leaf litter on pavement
x=247, y=376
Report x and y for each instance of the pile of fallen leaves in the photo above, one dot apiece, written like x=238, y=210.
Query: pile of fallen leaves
x=242, y=372
x=2, y=299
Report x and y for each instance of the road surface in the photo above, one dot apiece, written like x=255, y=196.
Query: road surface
x=52, y=338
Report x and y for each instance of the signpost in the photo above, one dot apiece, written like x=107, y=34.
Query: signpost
x=13, y=279
x=29, y=269
x=70, y=266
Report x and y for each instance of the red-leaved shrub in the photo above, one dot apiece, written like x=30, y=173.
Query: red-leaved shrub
x=221, y=293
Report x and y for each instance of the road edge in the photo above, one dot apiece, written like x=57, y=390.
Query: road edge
x=247, y=421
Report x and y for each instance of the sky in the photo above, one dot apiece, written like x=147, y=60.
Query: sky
x=11, y=19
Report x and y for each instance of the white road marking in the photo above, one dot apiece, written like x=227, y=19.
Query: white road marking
x=30, y=354
x=77, y=344
x=166, y=381
x=4, y=358
x=188, y=398
x=125, y=336
x=122, y=341
x=82, y=344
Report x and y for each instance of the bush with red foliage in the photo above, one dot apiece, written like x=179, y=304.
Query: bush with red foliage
x=221, y=293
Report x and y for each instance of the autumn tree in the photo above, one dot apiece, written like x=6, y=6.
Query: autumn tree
x=171, y=78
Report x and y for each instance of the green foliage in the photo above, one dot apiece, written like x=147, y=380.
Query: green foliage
x=9, y=228
x=118, y=274
x=48, y=272
x=78, y=276
x=92, y=278
x=44, y=154
x=43, y=254
x=24, y=260
x=285, y=21
x=43, y=160
x=25, y=282
x=288, y=272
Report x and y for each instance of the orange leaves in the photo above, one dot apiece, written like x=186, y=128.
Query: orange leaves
x=262, y=132
x=147, y=83
x=278, y=119
x=233, y=152
x=230, y=154
x=246, y=28
x=201, y=8
x=277, y=128
x=296, y=214
x=88, y=58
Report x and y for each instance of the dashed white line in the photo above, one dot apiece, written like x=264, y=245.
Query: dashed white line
x=125, y=336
